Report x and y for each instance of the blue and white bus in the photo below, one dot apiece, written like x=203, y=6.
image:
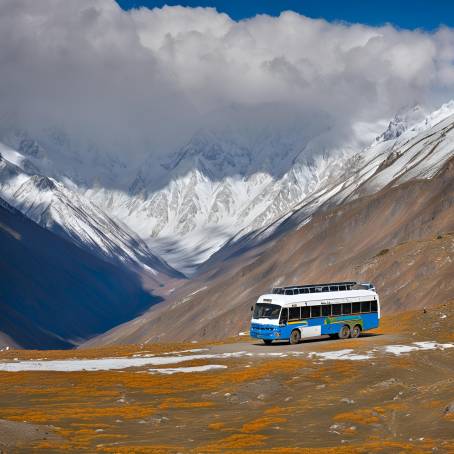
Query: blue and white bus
x=338, y=309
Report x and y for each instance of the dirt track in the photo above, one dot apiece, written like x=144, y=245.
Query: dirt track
x=309, y=345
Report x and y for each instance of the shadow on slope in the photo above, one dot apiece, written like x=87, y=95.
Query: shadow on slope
x=54, y=294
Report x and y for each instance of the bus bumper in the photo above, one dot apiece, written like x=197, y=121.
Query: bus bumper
x=265, y=332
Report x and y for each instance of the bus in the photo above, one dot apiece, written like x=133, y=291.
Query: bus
x=338, y=309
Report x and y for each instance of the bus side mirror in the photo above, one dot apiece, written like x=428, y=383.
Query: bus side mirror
x=252, y=308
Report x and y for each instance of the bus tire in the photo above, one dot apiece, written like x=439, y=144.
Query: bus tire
x=267, y=341
x=356, y=331
x=295, y=337
x=344, y=332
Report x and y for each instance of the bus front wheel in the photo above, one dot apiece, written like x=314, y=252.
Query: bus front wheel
x=344, y=332
x=295, y=337
x=267, y=341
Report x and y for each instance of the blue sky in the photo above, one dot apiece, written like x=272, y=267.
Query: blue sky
x=410, y=14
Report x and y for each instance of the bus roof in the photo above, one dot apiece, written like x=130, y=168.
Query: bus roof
x=310, y=298
x=322, y=288
x=327, y=284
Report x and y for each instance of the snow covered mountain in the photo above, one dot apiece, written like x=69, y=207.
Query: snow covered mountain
x=225, y=183
x=71, y=215
x=414, y=146
x=220, y=183
x=224, y=180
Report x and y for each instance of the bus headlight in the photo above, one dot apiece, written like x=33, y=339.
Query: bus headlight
x=277, y=333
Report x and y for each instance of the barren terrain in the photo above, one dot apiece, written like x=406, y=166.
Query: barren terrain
x=388, y=391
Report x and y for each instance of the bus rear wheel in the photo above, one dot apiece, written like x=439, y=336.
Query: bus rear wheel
x=295, y=337
x=356, y=331
x=344, y=332
x=267, y=341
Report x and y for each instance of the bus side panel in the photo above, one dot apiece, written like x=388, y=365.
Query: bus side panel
x=370, y=321
x=287, y=329
x=317, y=321
x=330, y=328
x=331, y=325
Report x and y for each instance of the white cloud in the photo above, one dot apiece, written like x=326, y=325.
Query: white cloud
x=142, y=81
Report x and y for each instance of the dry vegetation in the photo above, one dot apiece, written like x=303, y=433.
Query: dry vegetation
x=257, y=404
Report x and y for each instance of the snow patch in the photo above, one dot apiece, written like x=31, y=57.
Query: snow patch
x=346, y=354
x=137, y=360
x=77, y=365
x=177, y=370
x=426, y=345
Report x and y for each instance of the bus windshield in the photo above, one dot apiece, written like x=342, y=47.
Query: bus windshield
x=263, y=310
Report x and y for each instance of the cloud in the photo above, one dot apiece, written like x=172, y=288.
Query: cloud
x=141, y=82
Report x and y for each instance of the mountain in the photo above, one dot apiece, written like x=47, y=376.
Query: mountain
x=232, y=177
x=71, y=215
x=403, y=152
x=223, y=182
x=230, y=195
x=227, y=182
x=389, y=219
x=54, y=294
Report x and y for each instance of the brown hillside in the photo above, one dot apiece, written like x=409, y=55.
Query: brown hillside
x=400, y=238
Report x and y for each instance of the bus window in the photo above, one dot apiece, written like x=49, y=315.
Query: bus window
x=294, y=313
x=315, y=311
x=265, y=310
x=289, y=292
x=336, y=309
x=312, y=290
x=305, y=290
x=365, y=306
x=374, y=306
x=284, y=316
x=356, y=308
x=342, y=287
x=334, y=288
x=325, y=289
x=305, y=312
x=326, y=310
x=346, y=308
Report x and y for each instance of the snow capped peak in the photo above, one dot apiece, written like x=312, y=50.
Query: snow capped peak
x=402, y=121
x=42, y=183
